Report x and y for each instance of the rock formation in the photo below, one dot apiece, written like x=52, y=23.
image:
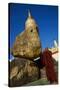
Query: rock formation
x=27, y=43
x=23, y=71
x=26, y=47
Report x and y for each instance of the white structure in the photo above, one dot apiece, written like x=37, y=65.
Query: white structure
x=54, y=51
x=55, y=43
x=55, y=56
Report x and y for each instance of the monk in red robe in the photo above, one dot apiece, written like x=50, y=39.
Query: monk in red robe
x=47, y=62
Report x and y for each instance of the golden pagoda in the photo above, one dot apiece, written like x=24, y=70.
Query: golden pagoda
x=27, y=43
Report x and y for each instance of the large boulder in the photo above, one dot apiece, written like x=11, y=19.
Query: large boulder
x=22, y=71
x=27, y=43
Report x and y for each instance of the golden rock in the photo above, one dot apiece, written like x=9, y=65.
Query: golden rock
x=27, y=43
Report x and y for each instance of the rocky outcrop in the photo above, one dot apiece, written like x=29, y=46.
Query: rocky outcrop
x=23, y=71
x=27, y=43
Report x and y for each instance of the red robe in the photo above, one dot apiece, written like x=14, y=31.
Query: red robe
x=46, y=59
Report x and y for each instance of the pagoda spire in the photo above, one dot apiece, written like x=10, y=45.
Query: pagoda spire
x=29, y=14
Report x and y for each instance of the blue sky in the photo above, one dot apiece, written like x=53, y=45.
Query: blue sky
x=45, y=16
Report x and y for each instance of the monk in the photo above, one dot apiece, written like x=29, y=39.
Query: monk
x=47, y=62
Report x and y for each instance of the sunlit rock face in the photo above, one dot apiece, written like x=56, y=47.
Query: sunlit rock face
x=27, y=43
x=23, y=71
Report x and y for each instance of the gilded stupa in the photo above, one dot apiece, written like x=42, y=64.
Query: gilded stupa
x=27, y=43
